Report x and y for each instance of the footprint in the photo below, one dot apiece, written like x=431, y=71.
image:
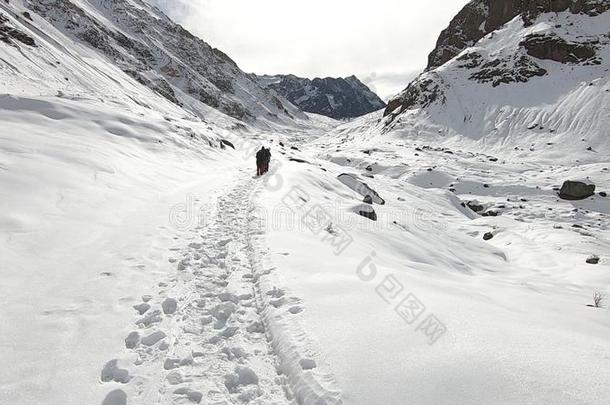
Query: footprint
x=112, y=372
x=255, y=327
x=116, y=397
x=223, y=311
x=295, y=310
x=132, y=340
x=228, y=297
x=141, y=308
x=229, y=331
x=307, y=364
x=241, y=376
x=171, y=364
x=276, y=292
x=193, y=396
x=174, y=378
x=278, y=302
x=150, y=319
x=153, y=338
x=234, y=352
x=169, y=306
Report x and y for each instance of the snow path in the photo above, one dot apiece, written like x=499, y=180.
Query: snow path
x=201, y=336
x=215, y=332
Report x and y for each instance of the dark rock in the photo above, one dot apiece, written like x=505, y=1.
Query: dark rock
x=360, y=187
x=505, y=71
x=372, y=215
x=553, y=47
x=9, y=34
x=368, y=199
x=576, y=190
x=421, y=92
x=476, y=207
x=593, y=260
x=603, y=194
x=488, y=236
x=292, y=159
x=227, y=143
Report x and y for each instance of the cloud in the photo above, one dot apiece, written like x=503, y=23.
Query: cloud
x=320, y=38
x=388, y=84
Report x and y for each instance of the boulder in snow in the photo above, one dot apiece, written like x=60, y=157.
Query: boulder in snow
x=224, y=142
x=366, y=211
x=352, y=181
x=593, y=259
x=576, y=190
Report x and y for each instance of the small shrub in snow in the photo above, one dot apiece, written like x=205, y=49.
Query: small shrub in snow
x=598, y=300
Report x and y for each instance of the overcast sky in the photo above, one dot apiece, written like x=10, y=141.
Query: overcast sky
x=383, y=42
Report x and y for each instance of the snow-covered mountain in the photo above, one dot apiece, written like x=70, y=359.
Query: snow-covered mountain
x=144, y=44
x=525, y=74
x=333, y=97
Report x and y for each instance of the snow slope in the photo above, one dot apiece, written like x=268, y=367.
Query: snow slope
x=516, y=325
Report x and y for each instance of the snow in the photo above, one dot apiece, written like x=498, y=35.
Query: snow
x=142, y=263
x=517, y=325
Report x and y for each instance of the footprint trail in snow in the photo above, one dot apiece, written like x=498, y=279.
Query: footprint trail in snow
x=201, y=338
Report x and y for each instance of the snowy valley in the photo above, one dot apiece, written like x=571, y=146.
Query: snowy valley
x=417, y=254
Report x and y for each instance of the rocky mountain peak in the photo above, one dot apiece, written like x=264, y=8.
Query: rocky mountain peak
x=337, y=98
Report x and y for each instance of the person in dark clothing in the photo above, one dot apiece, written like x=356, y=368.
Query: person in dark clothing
x=266, y=160
x=263, y=157
x=259, y=161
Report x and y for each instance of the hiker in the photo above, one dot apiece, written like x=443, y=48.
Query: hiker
x=259, y=161
x=263, y=157
x=266, y=160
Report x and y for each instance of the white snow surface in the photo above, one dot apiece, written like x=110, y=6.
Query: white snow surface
x=141, y=263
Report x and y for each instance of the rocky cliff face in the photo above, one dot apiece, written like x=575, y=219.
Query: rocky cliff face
x=480, y=17
x=336, y=98
x=459, y=47
x=162, y=55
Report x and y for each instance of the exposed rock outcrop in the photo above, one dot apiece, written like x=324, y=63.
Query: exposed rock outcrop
x=553, y=47
x=10, y=34
x=480, y=17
